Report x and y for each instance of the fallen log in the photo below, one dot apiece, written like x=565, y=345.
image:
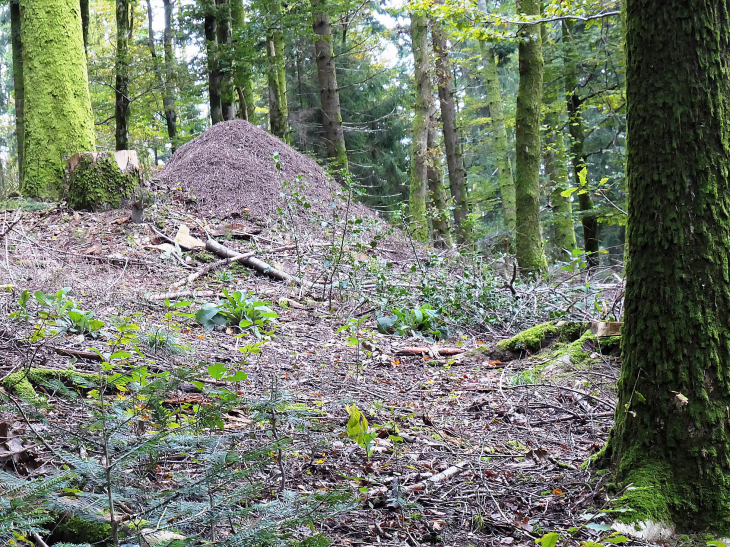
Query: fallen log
x=419, y=350
x=208, y=267
x=251, y=261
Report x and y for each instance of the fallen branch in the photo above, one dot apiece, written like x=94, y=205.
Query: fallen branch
x=70, y=352
x=178, y=294
x=169, y=239
x=439, y=477
x=429, y=351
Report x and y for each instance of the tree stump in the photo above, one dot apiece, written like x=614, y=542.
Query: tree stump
x=102, y=180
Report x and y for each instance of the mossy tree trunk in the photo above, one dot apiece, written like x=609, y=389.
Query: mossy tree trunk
x=419, y=139
x=168, y=101
x=214, y=73
x=58, y=120
x=329, y=94
x=529, y=245
x=578, y=158
x=671, y=431
x=225, y=59
x=243, y=76
x=121, y=87
x=278, y=106
x=19, y=90
x=452, y=133
x=439, y=213
x=102, y=180
x=556, y=170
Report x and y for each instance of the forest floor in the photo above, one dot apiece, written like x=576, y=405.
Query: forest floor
x=505, y=440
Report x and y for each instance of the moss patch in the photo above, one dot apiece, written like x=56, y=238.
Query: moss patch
x=21, y=383
x=77, y=530
x=99, y=185
x=539, y=337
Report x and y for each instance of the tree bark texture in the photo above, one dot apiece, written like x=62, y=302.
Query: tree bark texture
x=562, y=240
x=528, y=244
x=225, y=59
x=58, y=118
x=577, y=138
x=278, y=107
x=214, y=72
x=439, y=212
x=671, y=431
x=85, y=17
x=19, y=90
x=243, y=75
x=121, y=87
x=419, y=139
x=452, y=134
x=168, y=101
x=328, y=93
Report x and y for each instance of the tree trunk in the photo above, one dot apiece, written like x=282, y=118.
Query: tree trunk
x=168, y=101
x=440, y=210
x=102, y=180
x=225, y=59
x=577, y=138
x=278, y=108
x=452, y=134
x=214, y=73
x=328, y=92
x=671, y=432
x=84, y=5
x=243, y=76
x=121, y=89
x=58, y=117
x=19, y=90
x=556, y=171
x=530, y=255
x=419, y=139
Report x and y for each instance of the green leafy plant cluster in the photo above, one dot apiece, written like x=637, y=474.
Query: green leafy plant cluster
x=421, y=320
x=58, y=313
x=246, y=312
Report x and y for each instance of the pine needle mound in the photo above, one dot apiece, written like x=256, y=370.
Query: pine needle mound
x=230, y=171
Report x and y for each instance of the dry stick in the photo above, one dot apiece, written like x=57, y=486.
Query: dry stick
x=178, y=294
x=212, y=266
x=428, y=351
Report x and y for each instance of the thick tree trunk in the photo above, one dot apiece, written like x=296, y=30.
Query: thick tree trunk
x=58, y=117
x=243, y=76
x=500, y=144
x=530, y=255
x=214, y=73
x=419, y=139
x=84, y=5
x=452, y=134
x=278, y=107
x=328, y=92
x=225, y=59
x=578, y=158
x=102, y=180
x=168, y=101
x=19, y=90
x=671, y=433
x=562, y=240
x=121, y=88
x=440, y=210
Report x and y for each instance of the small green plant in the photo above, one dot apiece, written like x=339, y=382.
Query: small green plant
x=422, y=320
x=357, y=429
x=358, y=335
x=224, y=276
x=58, y=311
x=236, y=310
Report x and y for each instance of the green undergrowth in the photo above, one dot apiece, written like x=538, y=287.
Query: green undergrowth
x=22, y=383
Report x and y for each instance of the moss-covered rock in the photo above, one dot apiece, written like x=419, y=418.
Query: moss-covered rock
x=538, y=337
x=22, y=383
x=98, y=182
x=77, y=530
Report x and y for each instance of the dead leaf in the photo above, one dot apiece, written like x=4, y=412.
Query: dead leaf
x=184, y=238
x=95, y=249
x=123, y=219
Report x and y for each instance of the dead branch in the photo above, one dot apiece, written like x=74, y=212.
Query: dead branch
x=70, y=352
x=419, y=350
x=179, y=294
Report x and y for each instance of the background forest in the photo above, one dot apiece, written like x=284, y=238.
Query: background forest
x=462, y=83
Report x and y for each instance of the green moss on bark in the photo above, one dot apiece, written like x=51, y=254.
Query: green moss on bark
x=22, y=383
x=674, y=392
x=76, y=530
x=540, y=336
x=58, y=119
x=100, y=185
x=419, y=140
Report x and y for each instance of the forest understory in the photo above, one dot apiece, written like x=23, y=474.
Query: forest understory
x=465, y=449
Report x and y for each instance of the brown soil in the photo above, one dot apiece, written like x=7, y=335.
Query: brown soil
x=230, y=171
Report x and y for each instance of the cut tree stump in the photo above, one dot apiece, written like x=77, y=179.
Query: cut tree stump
x=102, y=180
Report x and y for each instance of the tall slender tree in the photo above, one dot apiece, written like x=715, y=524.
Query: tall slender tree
x=439, y=212
x=671, y=437
x=225, y=59
x=328, y=92
x=529, y=245
x=210, y=24
x=419, y=140
x=168, y=101
x=577, y=139
x=121, y=87
x=278, y=106
x=452, y=133
x=58, y=119
x=243, y=75
x=19, y=90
